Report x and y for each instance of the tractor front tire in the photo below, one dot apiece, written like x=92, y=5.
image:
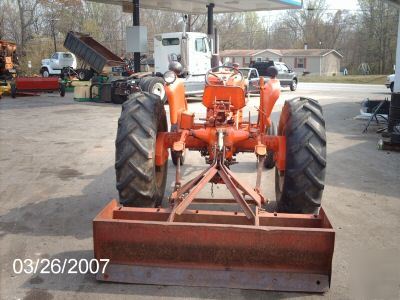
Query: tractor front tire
x=269, y=161
x=139, y=181
x=174, y=155
x=156, y=87
x=299, y=188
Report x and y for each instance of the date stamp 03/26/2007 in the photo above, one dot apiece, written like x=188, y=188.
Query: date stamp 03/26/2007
x=59, y=266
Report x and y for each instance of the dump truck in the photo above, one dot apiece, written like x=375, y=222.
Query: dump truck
x=101, y=60
x=8, y=60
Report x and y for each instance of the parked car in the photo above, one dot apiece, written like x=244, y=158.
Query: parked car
x=286, y=75
x=390, y=82
x=251, y=78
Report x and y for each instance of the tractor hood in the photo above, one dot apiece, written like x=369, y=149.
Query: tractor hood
x=199, y=7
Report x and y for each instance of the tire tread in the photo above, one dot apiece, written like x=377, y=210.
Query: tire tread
x=303, y=124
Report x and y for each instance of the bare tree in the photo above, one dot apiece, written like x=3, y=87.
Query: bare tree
x=27, y=16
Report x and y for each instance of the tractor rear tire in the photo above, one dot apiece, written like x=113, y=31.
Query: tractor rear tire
x=139, y=181
x=269, y=161
x=299, y=188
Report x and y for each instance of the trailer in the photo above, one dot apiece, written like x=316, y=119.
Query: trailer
x=35, y=85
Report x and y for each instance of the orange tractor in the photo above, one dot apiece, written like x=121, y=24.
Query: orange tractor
x=248, y=247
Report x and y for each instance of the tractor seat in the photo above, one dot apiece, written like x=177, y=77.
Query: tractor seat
x=234, y=94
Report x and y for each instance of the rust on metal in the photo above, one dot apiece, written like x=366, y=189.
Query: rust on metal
x=291, y=252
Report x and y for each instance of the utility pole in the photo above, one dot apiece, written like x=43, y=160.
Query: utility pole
x=136, y=22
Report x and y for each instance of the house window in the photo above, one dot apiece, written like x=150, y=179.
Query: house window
x=247, y=60
x=300, y=62
x=258, y=59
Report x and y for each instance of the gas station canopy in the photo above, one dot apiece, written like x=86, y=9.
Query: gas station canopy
x=199, y=6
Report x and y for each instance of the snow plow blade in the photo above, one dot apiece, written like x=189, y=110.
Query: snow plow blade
x=285, y=252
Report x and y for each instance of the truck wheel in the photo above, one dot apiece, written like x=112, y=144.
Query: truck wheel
x=45, y=72
x=84, y=75
x=117, y=99
x=269, y=161
x=62, y=89
x=139, y=181
x=299, y=188
x=81, y=74
x=156, y=87
x=13, y=91
x=293, y=85
x=144, y=83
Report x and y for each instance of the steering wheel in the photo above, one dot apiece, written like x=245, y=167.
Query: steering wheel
x=221, y=75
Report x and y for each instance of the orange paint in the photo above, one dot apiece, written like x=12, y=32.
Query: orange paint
x=224, y=114
x=176, y=99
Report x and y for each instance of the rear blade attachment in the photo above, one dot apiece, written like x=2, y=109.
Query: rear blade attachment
x=284, y=252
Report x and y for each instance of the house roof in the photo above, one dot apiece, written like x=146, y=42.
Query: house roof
x=280, y=52
x=241, y=52
x=308, y=52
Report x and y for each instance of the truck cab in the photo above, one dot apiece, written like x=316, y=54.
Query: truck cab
x=192, y=49
x=58, y=61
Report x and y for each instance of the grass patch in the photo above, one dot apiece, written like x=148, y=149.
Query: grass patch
x=360, y=79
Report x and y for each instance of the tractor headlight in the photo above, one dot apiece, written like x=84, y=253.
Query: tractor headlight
x=169, y=77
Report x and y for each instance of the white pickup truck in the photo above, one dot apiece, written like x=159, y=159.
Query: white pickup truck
x=58, y=61
x=390, y=82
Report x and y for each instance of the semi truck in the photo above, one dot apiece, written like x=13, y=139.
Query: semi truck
x=191, y=49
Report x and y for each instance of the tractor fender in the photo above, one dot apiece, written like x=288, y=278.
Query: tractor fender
x=176, y=99
x=269, y=94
